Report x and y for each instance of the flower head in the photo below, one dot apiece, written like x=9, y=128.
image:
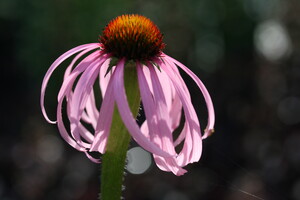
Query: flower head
x=164, y=95
x=133, y=37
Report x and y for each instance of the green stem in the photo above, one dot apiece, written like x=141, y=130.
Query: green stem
x=113, y=161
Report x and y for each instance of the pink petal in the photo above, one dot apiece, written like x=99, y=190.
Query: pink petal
x=61, y=127
x=164, y=125
x=146, y=73
x=145, y=129
x=104, y=120
x=149, y=128
x=77, y=57
x=70, y=79
x=53, y=67
x=175, y=112
x=150, y=124
x=103, y=77
x=162, y=113
x=95, y=160
x=172, y=100
x=151, y=110
x=182, y=135
x=126, y=114
x=186, y=130
x=91, y=109
x=210, y=107
x=86, y=134
x=85, y=118
x=191, y=118
x=163, y=163
x=92, y=112
x=81, y=93
x=77, y=105
x=65, y=91
x=166, y=86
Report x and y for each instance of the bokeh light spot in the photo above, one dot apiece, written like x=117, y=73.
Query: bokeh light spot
x=49, y=148
x=138, y=160
x=272, y=40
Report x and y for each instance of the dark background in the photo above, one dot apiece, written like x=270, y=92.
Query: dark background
x=245, y=51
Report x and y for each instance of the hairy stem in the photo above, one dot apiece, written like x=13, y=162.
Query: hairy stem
x=113, y=161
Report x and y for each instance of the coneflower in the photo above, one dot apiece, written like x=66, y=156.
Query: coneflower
x=136, y=40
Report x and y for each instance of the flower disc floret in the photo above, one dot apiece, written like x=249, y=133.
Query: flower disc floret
x=133, y=37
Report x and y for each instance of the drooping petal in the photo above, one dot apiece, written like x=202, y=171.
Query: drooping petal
x=77, y=57
x=172, y=100
x=65, y=92
x=210, y=107
x=86, y=134
x=163, y=120
x=90, y=115
x=104, y=77
x=185, y=133
x=104, y=120
x=66, y=89
x=149, y=128
x=195, y=140
x=146, y=73
x=62, y=129
x=87, y=119
x=91, y=109
x=126, y=114
x=164, y=124
x=95, y=160
x=70, y=79
x=56, y=63
x=159, y=130
x=150, y=125
x=182, y=134
x=175, y=112
x=161, y=161
x=79, y=98
x=76, y=106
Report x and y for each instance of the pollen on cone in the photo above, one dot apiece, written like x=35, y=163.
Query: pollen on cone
x=133, y=37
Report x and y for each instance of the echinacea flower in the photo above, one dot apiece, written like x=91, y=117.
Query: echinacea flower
x=164, y=95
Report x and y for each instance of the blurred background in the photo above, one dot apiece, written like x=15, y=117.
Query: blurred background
x=247, y=52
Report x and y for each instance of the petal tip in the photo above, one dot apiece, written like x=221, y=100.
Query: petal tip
x=50, y=121
x=208, y=132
